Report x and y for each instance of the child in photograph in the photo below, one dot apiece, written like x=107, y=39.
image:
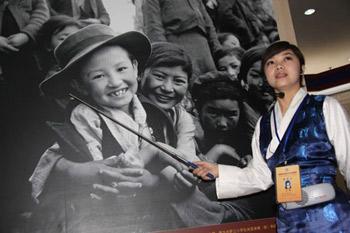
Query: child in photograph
x=219, y=101
x=130, y=179
x=228, y=40
x=260, y=95
x=110, y=85
x=229, y=60
x=50, y=35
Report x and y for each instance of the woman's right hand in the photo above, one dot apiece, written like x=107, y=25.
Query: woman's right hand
x=204, y=168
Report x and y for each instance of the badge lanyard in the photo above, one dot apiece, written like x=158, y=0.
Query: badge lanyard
x=276, y=133
x=287, y=133
x=287, y=178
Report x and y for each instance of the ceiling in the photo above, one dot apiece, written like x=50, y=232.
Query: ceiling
x=324, y=37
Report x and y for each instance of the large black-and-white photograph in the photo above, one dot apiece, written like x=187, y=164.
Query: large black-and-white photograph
x=106, y=104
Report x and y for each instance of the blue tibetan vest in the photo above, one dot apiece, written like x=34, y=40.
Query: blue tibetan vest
x=305, y=143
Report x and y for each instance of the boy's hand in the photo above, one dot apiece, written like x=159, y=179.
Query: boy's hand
x=18, y=40
x=85, y=173
x=122, y=182
x=204, y=168
x=130, y=159
x=5, y=46
x=129, y=180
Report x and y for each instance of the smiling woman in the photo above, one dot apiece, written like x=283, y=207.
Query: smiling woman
x=166, y=86
x=165, y=82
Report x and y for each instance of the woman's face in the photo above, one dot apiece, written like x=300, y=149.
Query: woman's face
x=283, y=71
x=62, y=34
x=165, y=86
x=110, y=78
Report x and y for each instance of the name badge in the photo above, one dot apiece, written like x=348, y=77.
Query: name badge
x=288, y=186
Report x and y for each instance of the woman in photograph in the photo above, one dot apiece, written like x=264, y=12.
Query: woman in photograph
x=164, y=83
x=311, y=131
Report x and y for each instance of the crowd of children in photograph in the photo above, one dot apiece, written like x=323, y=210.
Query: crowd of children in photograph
x=189, y=79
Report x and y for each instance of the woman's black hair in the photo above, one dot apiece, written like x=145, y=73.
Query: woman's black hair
x=278, y=47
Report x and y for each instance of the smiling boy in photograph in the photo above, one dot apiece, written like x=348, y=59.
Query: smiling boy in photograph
x=115, y=164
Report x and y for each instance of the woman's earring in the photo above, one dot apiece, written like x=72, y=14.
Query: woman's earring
x=138, y=79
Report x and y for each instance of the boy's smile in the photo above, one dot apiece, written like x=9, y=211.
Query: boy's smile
x=119, y=92
x=109, y=77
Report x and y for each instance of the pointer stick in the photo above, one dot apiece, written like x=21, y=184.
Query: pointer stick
x=160, y=147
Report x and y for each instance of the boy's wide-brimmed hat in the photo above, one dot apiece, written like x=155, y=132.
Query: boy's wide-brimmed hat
x=82, y=43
